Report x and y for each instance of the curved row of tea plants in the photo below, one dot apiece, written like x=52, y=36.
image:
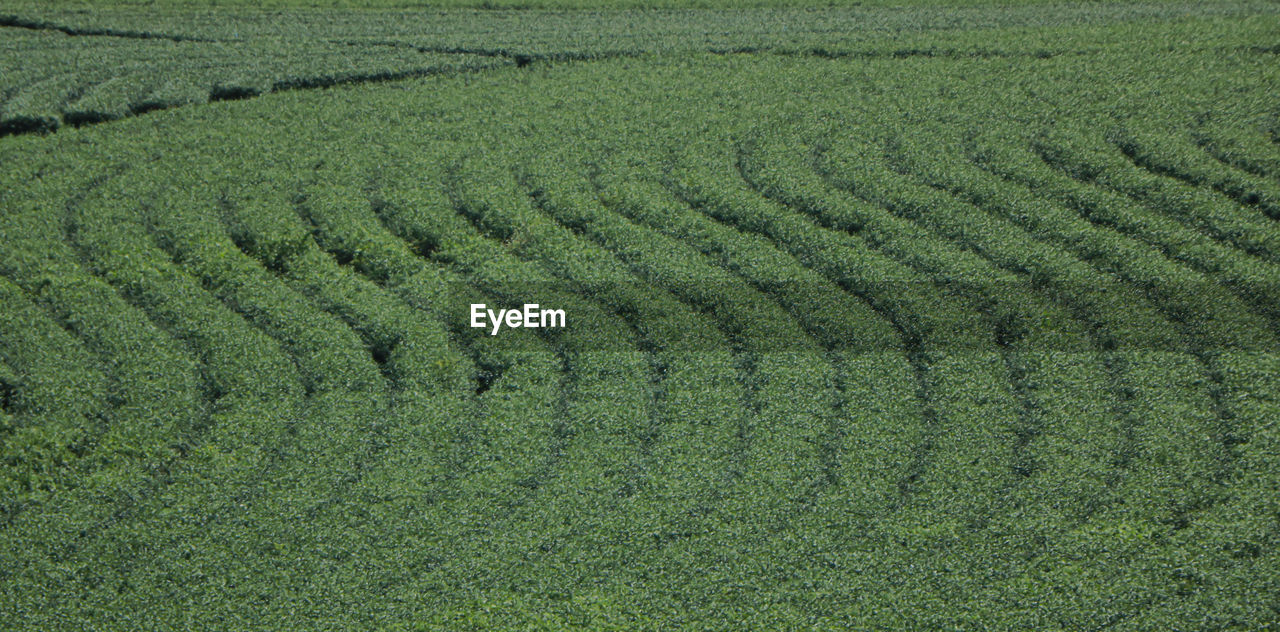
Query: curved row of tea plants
x=917, y=340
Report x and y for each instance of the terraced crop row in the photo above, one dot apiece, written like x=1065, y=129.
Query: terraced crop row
x=82, y=80
x=68, y=67
x=918, y=341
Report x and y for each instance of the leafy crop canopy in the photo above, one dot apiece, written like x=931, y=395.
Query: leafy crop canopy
x=919, y=318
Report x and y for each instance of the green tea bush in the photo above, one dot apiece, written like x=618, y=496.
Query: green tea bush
x=917, y=318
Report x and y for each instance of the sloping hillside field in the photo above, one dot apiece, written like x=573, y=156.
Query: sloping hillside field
x=875, y=318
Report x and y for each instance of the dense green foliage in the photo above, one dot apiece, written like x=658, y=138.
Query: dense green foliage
x=417, y=5
x=66, y=66
x=931, y=327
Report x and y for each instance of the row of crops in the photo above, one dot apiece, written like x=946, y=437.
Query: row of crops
x=69, y=67
x=918, y=341
x=82, y=80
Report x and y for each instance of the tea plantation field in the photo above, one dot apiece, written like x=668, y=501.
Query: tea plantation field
x=893, y=318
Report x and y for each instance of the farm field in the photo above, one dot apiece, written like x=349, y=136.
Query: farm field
x=878, y=317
